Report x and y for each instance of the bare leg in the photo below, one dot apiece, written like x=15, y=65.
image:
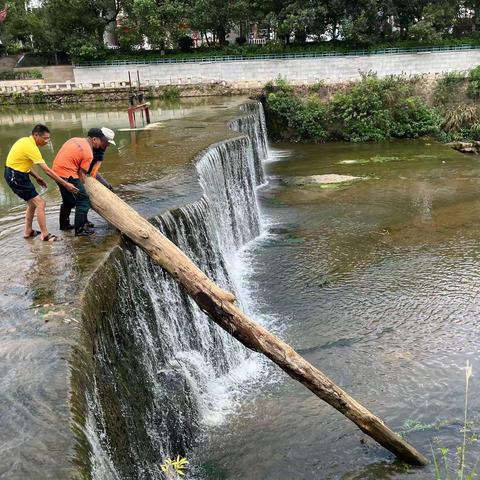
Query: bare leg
x=39, y=203
x=31, y=207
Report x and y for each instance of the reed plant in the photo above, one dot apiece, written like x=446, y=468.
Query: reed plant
x=174, y=469
x=462, y=116
x=443, y=469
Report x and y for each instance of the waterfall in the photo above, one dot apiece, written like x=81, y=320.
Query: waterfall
x=160, y=367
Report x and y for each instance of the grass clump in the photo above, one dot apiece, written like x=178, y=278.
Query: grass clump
x=171, y=92
x=21, y=75
x=444, y=469
x=449, y=88
x=473, y=90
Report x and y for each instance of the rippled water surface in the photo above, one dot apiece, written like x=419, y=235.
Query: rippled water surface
x=377, y=283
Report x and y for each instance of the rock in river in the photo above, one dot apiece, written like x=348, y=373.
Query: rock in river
x=329, y=179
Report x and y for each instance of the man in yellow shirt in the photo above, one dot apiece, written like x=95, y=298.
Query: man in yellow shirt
x=22, y=157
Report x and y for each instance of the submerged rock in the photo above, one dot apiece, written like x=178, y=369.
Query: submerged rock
x=465, y=147
x=325, y=181
x=374, y=159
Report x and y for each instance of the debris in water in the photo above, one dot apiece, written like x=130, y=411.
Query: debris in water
x=324, y=181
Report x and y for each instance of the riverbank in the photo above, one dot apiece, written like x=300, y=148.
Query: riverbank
x=376, y=109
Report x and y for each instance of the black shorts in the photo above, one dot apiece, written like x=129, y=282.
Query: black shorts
x=20, y=183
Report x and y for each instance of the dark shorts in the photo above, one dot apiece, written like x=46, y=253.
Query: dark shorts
x=20, y=183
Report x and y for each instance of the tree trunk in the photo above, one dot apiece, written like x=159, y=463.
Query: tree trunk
x=218, y=304
x=334, y=29
x=222, y=35
x=206, y=38
x=476, y=16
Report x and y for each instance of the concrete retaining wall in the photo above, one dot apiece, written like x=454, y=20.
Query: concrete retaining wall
x=299, y=70
x=11, y=84
x=8, y=62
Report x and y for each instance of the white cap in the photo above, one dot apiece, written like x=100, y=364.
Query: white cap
x=109, y=135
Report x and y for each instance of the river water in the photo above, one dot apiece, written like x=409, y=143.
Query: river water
x=375, y=283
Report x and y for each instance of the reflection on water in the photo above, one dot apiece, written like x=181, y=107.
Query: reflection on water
x=40, y=283
x=377, y=284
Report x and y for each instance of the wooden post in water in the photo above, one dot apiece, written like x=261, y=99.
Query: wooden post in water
x=219, y=305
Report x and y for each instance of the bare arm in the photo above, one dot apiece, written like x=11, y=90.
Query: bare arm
x=71, y=188
x=103, y=181
x=38, y=178
x=82, y=174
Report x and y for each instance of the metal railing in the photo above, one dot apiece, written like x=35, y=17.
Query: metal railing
x=279, y=56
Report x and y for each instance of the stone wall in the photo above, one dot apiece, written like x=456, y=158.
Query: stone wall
x=68, y=95
x=20, y=83
x=8, y=62
x=298, y=70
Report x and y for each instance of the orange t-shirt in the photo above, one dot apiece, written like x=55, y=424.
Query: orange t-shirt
x=74, y=155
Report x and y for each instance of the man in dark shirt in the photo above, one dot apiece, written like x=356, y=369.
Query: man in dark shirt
x=98, y=155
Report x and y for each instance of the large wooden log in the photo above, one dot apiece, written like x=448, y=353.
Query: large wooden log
x=219, y=305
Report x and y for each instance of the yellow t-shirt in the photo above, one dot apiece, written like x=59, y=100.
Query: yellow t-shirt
x=24, y=154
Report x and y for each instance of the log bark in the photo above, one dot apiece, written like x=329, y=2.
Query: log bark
x=219, y=305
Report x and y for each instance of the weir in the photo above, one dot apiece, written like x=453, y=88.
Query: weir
x=142, y=394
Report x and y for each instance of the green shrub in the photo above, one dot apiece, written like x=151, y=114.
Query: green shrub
x=286, y=107
x=14, y=48
x=413, y=118
x=317, y=87
x=362, y=114
x=312, y=119
x=39, y=97
x=20, y=75
x=82, y=50
x=307, y=118
x=280, y=85
x=171, y=92
x=18, y=97
x=185, y=43
x=372, y=110
x=474, y=132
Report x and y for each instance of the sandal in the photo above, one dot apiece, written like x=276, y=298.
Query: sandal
x=51, y=238
x=33, y=234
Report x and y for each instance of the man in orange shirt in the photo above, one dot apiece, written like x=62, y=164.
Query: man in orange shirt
x=72, y=163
